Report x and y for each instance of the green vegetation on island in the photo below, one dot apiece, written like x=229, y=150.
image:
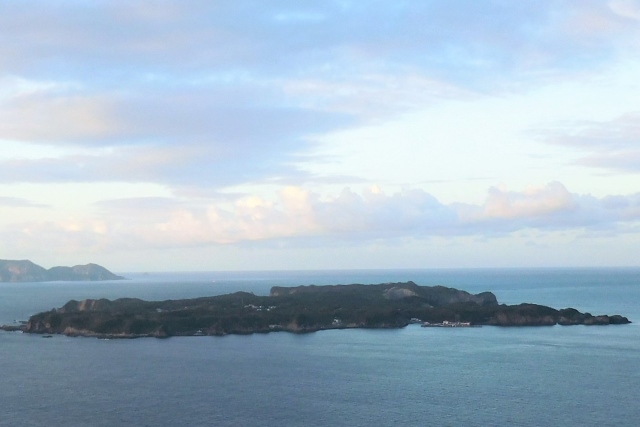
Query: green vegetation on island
x=298, y=309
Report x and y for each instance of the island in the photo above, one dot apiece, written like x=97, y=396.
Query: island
x=298, y=309
x=27, y=271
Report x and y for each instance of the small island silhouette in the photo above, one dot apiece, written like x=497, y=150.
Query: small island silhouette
x=27, y=271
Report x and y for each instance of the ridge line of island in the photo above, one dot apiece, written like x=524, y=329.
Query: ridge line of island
x=298, y=309
x=26, y=271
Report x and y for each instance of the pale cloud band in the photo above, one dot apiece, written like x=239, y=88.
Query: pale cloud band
x=612, y=145
x=19, y=202
x=297, y=213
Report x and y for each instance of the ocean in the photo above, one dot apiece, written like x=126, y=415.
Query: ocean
x=489, y=376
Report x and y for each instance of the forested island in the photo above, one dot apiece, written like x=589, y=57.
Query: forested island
x=27, y=271
x=298, y=309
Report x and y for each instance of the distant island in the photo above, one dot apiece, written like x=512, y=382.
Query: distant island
x=27, y=271
x=298, y=309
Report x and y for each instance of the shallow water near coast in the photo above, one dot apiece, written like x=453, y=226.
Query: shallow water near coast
x=415, y=376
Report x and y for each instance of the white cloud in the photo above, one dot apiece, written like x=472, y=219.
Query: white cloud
x=532, y=202
x=298, y=213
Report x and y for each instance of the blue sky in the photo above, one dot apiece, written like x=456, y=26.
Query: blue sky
x=238, y=135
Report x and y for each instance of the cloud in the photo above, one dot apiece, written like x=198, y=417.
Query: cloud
x=199, y=138
x=619, y=134
x=46, y=118
x=601, y=25
x=187, y=137
x=613, y=145
x=181, y=168
x=226, y=117
x=188, y=95
x=17, y=202
x=297, y=214
x=196, y=93
x=473, y=45
x=548, y=208
x=626, y=8
x=533, y=202
x=65, y=237
x=371, y=96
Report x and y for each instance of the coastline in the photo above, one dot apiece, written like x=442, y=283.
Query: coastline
x=301, y=309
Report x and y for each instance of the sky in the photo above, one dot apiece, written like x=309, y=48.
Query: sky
x=277, y=135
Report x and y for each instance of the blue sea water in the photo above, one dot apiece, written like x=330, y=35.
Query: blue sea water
x=490, y=376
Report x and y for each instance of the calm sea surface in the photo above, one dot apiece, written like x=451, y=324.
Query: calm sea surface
x=572, y=376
